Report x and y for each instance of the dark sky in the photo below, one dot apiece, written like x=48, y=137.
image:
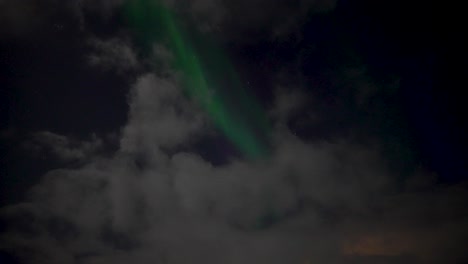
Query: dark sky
x=105, y=159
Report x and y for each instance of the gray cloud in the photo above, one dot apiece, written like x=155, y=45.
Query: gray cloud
x=427, y=226
x=113, y=54
x=159, y=116
x=308, y=202
x=288, y=103
x=317, y=202
x=61, y=147
x=232, y=19
x=277, y=18
x=22, y=18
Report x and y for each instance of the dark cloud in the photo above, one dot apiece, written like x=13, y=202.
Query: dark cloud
x=159, y=115
x=231, y=19
x=320, y=196
x=322, y=202
x=113, y=54
x=25, y=18
x=425, y=225
x=21, y=18
x=238, y=18
x=61, y=147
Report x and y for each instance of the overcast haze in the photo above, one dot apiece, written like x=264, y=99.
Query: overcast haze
x=329, y=132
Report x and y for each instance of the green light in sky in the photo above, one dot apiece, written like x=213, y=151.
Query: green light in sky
x=208, y=75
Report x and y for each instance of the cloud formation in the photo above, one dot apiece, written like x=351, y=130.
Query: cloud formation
x=278, y=18
x=19, y=19
x=322, y=202
x=158, y=200
x=61, y=147
x=113, y=54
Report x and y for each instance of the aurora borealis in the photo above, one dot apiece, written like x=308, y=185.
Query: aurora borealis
x=206, y=74
x=232, y=132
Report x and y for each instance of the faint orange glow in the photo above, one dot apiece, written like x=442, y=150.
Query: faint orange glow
x=378, y=244
x=419, y=243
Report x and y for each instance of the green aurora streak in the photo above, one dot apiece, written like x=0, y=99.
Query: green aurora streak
x=208, y=75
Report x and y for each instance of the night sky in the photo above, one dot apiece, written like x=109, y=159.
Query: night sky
x=224, y=131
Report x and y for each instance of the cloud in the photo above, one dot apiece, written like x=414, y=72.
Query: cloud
x=288, y=103
x=428, y=226
x=156, y=200
x=309, y=201
x=105, y=7
x=61, y=147
x=277, y=18
x=113, y=54
x=22, y=18
x=231, y=19
x=159, y=116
